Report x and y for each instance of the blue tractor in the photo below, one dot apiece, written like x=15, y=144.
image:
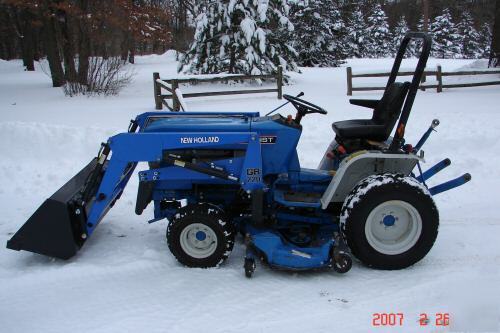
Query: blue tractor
x=213, y=175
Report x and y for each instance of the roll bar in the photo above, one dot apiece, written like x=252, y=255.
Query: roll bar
x=417, y=78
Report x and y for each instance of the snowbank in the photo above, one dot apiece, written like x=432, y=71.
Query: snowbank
x=125, y=279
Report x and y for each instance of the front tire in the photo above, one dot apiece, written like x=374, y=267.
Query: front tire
x=200, y=235
x=389, y=221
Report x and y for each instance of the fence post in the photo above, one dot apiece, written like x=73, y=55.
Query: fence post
x=279, y=82
x=439, y=78
x=175, y=101
x=349, y=81
x=424, y=79
x=157, y=91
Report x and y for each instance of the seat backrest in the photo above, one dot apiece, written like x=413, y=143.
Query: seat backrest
x=389, y=108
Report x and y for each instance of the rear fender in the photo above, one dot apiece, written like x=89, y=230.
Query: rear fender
x=361, y=165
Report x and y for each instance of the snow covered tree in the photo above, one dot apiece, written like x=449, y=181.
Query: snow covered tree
x=400, y=31
x=379, y=41
x=420, y=24
x=241, y=36
x=495, y=39
x=356, y=40
x=319, y=32
x=446, y=38
x=485, y=36
x=416, y=45
x=470, y=40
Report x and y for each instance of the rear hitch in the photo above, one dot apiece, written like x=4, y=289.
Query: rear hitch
x=449, y=185
x=434, y=170
x=438, y=167
x=435, y=123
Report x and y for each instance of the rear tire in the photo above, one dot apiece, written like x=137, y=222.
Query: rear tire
x=389, y=221
x=201, y=236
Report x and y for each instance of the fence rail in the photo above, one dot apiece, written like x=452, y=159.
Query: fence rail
x=172, y=85
x=438, y=73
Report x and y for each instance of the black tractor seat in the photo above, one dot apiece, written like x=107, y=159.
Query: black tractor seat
x=386, y=112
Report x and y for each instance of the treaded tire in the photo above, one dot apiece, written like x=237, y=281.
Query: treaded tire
x=213, y=218
x=367, y=196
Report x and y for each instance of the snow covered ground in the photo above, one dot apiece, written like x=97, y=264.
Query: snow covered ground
x=125, y=279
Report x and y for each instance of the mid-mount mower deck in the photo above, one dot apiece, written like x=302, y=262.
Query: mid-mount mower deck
x=214, y=174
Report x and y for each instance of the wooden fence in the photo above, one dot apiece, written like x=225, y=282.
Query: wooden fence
x=439, y=85
x=171, y=86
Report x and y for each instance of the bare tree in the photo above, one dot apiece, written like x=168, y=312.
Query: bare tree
x=83, y=40
x=67, y=43
x=426, y=15
x=21, y=20
x=105, y=77
x=26, y=18
x=51, y=44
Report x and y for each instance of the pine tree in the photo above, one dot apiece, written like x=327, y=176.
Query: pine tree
x=446, y=38
x=338, y=28
x=416, y=45
x=470, y=39
x=379, y=42
x=356, y=40
x=241, y=36
x=400, y=31
x=485, y=41
x=494, y=57
x=420, y=24
x=319, y=33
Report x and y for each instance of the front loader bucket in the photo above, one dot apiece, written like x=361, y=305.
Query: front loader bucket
x=58, y=227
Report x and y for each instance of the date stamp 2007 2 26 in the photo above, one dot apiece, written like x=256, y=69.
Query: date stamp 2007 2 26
x=398, y=319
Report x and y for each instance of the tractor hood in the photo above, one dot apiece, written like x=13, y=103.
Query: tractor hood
x=192, y=123
x=278, y=136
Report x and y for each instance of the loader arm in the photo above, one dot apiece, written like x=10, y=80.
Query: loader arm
x=63, y=223
x=130, y=148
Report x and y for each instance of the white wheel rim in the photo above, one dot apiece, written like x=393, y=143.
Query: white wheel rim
x=198, y=241
x=393, y=227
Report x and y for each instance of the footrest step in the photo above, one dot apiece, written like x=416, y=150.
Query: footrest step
x=298, y=199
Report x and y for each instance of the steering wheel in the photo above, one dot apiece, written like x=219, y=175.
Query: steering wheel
x=303, y=107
